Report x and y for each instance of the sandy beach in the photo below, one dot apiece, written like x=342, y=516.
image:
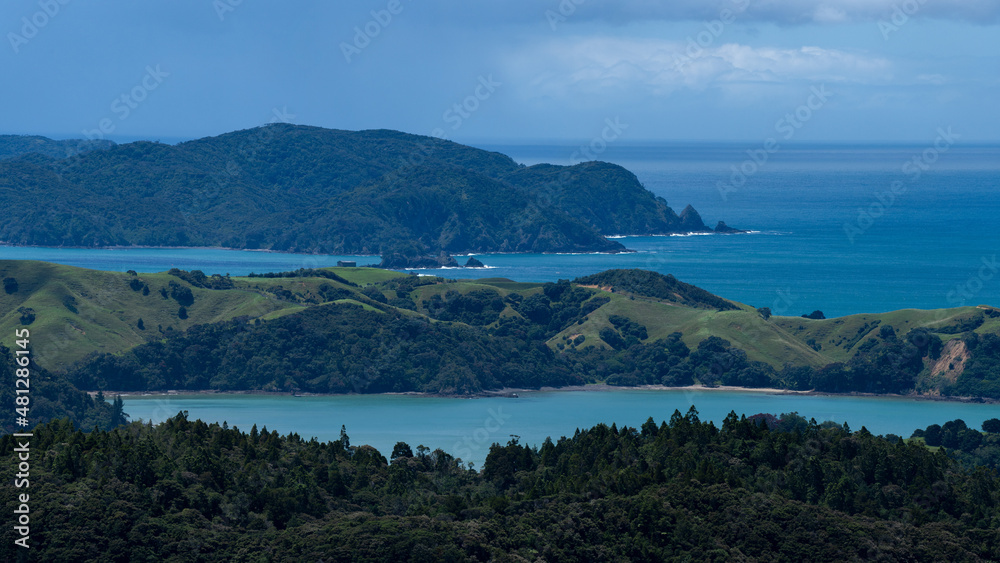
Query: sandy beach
x=514, y=392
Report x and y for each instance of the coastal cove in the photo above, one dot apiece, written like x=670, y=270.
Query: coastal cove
x=466, y=428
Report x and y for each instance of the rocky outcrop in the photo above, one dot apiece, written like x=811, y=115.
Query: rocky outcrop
x=723, y=228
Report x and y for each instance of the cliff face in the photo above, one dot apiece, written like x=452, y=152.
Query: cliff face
x=307, y=189
x=605, y=196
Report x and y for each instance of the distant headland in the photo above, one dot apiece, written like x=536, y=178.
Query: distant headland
x=414, y=200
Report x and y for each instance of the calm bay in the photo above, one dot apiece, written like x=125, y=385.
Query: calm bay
x=465, y=428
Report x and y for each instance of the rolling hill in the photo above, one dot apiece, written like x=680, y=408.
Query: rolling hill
x=625, y=327
x=76, y=311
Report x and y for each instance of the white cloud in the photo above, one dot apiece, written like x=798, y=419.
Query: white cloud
x=775, y=11
x=604, y=66
x=782, y=12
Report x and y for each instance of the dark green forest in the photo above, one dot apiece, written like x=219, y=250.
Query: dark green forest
x=336, y=348
x=759, y=488
x=982, y=374
x=969, y=446
x=308, y=189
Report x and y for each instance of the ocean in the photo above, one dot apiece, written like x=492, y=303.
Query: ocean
x=836, y=227
x=840, y=228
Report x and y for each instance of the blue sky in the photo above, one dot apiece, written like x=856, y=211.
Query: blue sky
x=516, y=70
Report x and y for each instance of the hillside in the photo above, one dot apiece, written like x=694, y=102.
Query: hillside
x=604, y=196
x=367, y=330
x=651, y=284
x=308, y=189
x=82, y=311
x=452, y=210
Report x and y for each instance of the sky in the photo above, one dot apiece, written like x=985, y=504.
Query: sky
x=497, y=71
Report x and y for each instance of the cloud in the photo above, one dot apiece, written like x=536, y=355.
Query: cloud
x=783, y=12
x=602, y=66
x=935, y=79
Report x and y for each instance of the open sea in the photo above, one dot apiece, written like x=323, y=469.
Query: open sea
x=830, y=233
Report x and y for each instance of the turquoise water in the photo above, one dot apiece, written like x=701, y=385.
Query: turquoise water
x=467, y=427
x=926, y=249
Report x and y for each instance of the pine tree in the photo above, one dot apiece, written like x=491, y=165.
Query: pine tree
x=118, y=415
x=345, y=440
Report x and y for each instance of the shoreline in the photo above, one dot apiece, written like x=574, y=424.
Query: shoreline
x=143, y=247
x=461, y=254
x=514, y=392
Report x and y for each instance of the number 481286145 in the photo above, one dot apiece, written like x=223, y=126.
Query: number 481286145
x=22, y=356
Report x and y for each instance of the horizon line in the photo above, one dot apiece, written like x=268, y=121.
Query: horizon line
x=514, y=141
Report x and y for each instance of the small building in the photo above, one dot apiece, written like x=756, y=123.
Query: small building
x=347, y=264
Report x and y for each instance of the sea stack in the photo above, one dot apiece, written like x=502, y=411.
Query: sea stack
x=691, y=221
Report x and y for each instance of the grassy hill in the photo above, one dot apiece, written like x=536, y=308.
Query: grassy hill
x=78, y=311
x=840, y=338
x=763, y=341
x=610, y=321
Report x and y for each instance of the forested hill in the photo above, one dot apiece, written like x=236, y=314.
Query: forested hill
x=308, y=189
x=13, y=146
x=656, y=285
